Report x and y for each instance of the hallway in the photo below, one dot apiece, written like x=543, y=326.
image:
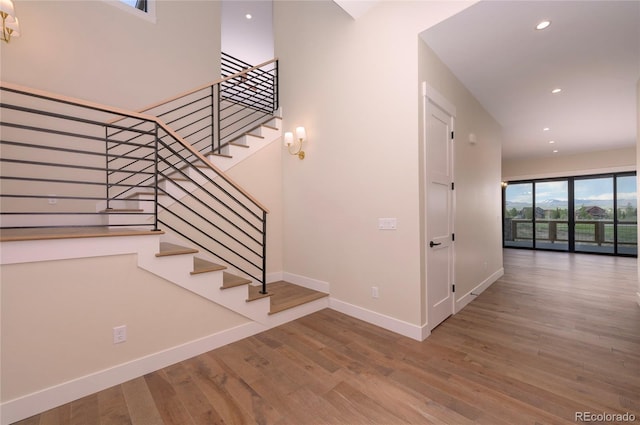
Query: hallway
x=557, y=336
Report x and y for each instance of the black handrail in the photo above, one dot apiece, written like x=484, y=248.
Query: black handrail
x=91, y=161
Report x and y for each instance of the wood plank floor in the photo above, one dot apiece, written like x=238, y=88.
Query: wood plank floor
x=558, y=334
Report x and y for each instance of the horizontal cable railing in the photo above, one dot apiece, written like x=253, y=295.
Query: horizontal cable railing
x=214, y=115
x=595, y=232
x=71, y=163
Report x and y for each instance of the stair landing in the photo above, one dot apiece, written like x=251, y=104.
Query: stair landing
x=284, y=295
x=32, y=234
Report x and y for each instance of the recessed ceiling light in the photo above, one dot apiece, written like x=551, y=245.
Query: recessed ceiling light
x=555, y=91
x=555, y=151
x=543, y=24
x=546, y=129
x=248, y=16
x=551, y=142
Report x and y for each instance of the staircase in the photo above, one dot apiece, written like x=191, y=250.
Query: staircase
x=139, y=203
x=165, y=169
x=81, y=180
x=184, y=267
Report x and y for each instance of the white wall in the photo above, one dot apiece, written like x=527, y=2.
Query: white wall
x=353, y=85
x=478, y=212
x=57, y=316
x=57, y=319
x=615, y=160
x=250, y=40
x=92, y=50
x=261, y=176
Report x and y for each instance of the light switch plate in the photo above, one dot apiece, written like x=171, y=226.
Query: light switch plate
x=388, y=223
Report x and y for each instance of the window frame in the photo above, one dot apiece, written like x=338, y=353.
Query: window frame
x=571, y=210
x=149, y=15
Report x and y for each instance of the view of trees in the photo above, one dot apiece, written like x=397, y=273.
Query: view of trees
x=584, y=212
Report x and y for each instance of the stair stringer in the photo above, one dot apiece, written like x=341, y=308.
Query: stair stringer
x=249, y=144
x=177, y=269
x=173, y=237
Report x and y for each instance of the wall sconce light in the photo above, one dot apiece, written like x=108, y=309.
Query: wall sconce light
x=10, y=26
x=504, y=184
x=290, y=142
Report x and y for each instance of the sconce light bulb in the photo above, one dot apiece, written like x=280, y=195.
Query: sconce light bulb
x=288, y=138
x=301, y=133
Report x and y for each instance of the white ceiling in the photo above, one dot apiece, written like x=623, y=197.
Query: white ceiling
x=591, y=51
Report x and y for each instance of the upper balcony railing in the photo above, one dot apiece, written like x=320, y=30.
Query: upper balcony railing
x=213, y=115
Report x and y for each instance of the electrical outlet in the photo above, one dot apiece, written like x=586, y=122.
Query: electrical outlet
x=119, y=334
x=374, y=292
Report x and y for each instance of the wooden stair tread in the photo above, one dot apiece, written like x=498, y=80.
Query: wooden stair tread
x=285, y=295
x=121, y=210
x=177, y=179
x=253, y=135
x=201, y=265
x=231, y=281
x=46, y=233
x=254, y=293
x=133, y=195
x=218, y=154
x=239, y=145
x=167, y=249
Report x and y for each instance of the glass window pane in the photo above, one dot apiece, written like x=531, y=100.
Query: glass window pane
x=518, y=215
x=627, y=215
x=552, y=215
x=138, y=4
x=593, y=203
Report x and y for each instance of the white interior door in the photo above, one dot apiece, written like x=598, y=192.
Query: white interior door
x=439, y=211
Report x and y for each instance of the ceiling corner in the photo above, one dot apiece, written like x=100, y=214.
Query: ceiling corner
x=356, y=8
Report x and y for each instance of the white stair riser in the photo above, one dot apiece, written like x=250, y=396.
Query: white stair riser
x=115, y=219
x=177, y=269
x=62, y=220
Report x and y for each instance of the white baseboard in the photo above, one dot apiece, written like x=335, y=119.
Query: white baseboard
x=468, y=297
x=48, y=398
x=307, y=282
x=275, y=277
x=390, y=323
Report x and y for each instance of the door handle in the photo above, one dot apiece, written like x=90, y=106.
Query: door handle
x=432, y=244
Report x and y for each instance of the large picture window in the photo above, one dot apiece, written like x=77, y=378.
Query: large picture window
x=596, y=214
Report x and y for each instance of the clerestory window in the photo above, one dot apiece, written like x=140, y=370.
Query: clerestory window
x=138, y=4
x=145, y=9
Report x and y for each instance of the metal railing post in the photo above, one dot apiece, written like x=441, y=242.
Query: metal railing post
x=155, y=178
x=219, y=118
x=106, y=165
x=264, y=252
x=276, y=88
x=214, y=119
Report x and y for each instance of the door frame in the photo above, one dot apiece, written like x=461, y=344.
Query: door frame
x=431, y=95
